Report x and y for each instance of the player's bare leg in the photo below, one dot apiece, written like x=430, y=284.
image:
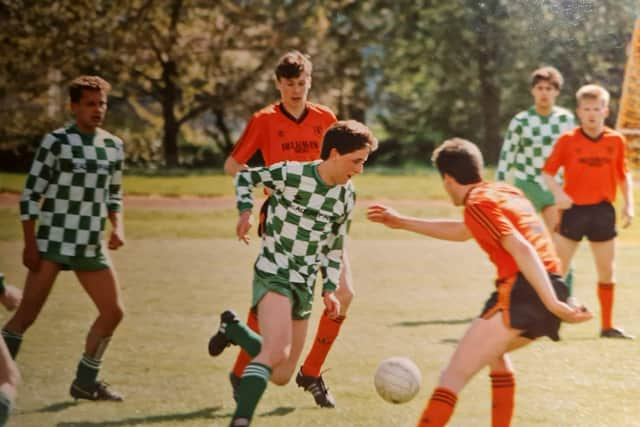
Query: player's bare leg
x=484, y=343
x=284, y=371
x=276, y=326
x=103, y=289
x=36, y=291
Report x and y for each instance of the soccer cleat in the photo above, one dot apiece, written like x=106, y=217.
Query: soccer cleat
x=235, y=384
x=219, y=341
x=615, y=333
x=99, y=390
x=316, y=386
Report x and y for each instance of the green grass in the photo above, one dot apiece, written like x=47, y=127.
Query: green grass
x=414, y=298
x=383, y=185
x=410, y=302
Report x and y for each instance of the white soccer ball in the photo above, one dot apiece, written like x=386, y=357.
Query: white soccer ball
x=397, y=379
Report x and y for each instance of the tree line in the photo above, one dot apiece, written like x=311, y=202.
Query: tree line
x=188, y=73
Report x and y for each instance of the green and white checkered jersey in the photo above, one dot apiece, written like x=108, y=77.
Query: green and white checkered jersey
x=307, y=221
x=529, y=141
x=78, y=179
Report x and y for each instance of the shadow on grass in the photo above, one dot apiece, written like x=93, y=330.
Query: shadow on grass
x=57, y=407
x=433, y=322
x=279, y=412
x=206, y=413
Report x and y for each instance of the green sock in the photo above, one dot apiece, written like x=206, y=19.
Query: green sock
x=5, y=408
x=13, y=342
x=87, y=371
x=569, y=280
x=252, y=386
x=240, y=334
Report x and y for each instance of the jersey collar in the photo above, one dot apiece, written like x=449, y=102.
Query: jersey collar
x=290, y=116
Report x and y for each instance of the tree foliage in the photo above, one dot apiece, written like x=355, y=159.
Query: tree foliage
x=187, y=73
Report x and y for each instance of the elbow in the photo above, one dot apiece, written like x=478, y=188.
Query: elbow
x=230, y=166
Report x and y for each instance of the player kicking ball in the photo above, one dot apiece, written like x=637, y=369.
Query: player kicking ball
x=530, y=295
x=309, y=213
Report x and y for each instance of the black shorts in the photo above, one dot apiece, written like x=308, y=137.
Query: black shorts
x=596, y=222
x=522, y=308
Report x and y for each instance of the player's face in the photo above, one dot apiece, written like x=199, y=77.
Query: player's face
x=294, y=91
x=544, y=94
x=592, y=113
x=349, y=165
x=90, y=110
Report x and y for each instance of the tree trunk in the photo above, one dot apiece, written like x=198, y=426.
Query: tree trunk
x=490, y=92
x=171, y=126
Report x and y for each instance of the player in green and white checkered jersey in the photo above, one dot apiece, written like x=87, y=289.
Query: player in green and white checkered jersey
x=309, y=215
x=530, y=139
x=306, y=224
x=79, y=178
x=72, y=188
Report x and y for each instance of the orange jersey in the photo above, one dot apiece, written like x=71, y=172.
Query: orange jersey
x=495, y=210
x=592, y=168
x=279, y=136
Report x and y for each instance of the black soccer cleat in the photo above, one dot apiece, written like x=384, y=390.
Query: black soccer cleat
x=317, y=388
x=99, y=390
x=219, y=341
x=615, y=333
x=235, y=385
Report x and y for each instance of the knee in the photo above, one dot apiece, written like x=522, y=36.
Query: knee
x=113, y=315
x=278, y=356
x=281, y=378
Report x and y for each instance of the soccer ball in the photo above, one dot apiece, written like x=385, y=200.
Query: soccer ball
x=397, y=379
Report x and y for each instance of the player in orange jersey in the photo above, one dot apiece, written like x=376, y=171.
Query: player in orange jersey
x=529, y=301
x=292, y=129
x=593, y=157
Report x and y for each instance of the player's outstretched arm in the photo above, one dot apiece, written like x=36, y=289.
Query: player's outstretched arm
x=533, y=270
x=437, y=228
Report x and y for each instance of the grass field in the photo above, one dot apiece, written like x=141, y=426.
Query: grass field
x=415, y=297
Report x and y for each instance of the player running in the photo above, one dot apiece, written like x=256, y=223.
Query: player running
x=529, y=301
x=292, y=129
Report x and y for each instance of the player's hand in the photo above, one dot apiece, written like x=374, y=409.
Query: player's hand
x=31, y=257
x=383, y=215
x=627, y=215
x=563, y=201
x=332, y=304
x=572, y=312
x=116, y=239
x=245, y=221
x=11, y=298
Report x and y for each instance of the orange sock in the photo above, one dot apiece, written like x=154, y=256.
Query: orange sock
x=503, y=387
x=328, y=330
x=439, y=408
x=605, y=295
x=243, y=358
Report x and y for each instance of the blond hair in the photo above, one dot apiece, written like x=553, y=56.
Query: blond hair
x=592, y=91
